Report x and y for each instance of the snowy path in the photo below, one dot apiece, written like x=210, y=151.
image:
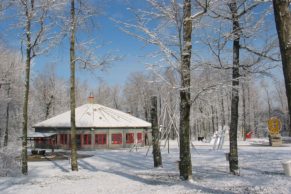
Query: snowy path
x=120, y=171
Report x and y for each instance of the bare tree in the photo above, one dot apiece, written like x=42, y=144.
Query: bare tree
x=247, y=57
x=49, y=94
x=175, y=50
x=10, y=89
x=35, y=15
x=80, y=13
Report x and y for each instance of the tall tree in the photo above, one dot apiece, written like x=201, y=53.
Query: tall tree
x=80, y=14
x=185, y=98
x=29, y=8
x=33, y=17
x=282, y=15
x=175, y=50
x=233, y=152
x=74, y=162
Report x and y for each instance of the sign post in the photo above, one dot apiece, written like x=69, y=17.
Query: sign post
x=274, y=126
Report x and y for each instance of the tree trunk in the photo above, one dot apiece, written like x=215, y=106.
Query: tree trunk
x=155, y=133
x=222, y=111
x=249, y=108
x=26, y=85
x=244, y=130
x=233, y=152
x=213, y=119
x=7, y=118
x=185, y=98
x=282, y=15
x=74, y=162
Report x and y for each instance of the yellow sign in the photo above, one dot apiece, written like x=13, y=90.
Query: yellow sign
x=274, y=125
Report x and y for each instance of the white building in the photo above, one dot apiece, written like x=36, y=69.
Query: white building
x=97, y=127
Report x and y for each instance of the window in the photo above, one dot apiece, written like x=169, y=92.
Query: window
x=87, y=139
x=116, y=138
x=129, y=138
x=100, y=139
x=63, y=139
x=139, y=137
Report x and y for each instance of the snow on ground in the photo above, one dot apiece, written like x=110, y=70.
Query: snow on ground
x=121, y=171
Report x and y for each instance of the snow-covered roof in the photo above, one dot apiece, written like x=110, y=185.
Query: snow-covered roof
x=37, y=134
x=95, y=116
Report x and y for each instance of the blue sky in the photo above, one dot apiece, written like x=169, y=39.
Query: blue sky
x=116, y=42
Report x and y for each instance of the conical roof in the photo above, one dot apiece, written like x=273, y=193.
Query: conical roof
x=95, y=116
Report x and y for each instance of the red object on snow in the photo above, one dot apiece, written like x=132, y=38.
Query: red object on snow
x=249, y=135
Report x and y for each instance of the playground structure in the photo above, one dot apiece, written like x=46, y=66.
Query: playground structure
x=218, y=137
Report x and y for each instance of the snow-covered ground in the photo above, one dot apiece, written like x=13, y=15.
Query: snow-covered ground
x=121, y=171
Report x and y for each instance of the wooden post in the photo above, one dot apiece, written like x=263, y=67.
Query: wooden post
x=155, y=133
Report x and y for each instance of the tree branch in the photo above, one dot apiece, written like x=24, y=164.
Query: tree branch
x=260, y=54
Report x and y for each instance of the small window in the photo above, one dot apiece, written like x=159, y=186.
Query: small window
x=87, y=139
x=130, y=138
x=139, y=137
x=116, y=138
x=100, y=139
